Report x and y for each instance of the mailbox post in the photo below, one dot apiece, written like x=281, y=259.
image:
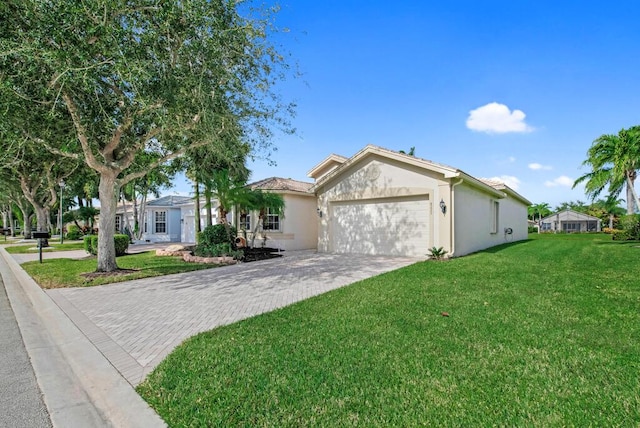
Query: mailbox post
x=40, y=236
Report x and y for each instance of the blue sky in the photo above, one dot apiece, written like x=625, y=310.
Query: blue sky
x=516, y=90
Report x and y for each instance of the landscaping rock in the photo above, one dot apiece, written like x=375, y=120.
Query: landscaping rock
x=173, y=250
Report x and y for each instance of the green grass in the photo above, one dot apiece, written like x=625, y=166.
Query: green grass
x=541, y=333
x=56, y=273
x=53, y=246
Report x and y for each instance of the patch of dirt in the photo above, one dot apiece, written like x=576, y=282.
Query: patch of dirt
x=119, y=272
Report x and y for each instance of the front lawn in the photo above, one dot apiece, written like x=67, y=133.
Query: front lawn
x=53, y=246
x=55, y=273
x=540, y=333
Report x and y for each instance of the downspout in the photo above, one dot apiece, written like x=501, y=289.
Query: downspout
x=451, y=217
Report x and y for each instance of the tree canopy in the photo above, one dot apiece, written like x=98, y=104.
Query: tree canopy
x=133, y=79
x=614, y=160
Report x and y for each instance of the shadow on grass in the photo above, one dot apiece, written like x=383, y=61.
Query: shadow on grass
x=502, y=247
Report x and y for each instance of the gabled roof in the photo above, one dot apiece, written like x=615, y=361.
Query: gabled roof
x=499, y=185
x=170, y=201
x=445, y=170
x=281, y=184
x=570, y=215
x=330, y=163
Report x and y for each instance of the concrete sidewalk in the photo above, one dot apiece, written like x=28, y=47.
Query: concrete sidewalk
x=80, y=387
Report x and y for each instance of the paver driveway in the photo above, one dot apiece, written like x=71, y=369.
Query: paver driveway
x=136, y=324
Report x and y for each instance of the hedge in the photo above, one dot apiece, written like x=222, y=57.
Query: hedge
x=121, y=242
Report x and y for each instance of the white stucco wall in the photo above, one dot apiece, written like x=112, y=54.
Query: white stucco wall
x=299, y=227
x=473, y=220
x=378, y=178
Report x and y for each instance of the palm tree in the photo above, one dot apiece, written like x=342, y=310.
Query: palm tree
x=614, y=161
x=610, y=209
x=542, y=210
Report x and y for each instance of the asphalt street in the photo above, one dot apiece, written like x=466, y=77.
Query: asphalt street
x=20, y=397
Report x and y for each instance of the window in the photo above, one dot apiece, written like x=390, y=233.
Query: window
x=271, y=221
x=118, y=223
x=245, y=221
x=546, y=226
x=160, y=222
x=495, y=216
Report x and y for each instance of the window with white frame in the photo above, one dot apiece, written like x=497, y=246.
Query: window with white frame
x=271, y=221
x=160, y=222
x=245, y=220
x=495, y=216
x=118, y=223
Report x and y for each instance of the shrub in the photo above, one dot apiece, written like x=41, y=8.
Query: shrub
x=217, y=234
x=437, y=253
x=73, y=232
x=610, y=231
x=217, y=250
x=620, y=235
x=121, y=242
x=532, y=229
x=91, y=244
x=630, y=223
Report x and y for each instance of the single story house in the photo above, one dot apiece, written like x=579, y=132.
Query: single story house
x=172, y=218
x=384, y=202
x=570, y=221
x=296, y=229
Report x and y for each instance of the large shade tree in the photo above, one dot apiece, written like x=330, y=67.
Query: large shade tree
x=132, y=78
x=614, y=160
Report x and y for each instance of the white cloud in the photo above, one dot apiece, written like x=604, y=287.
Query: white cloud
x=497, y=118
x=509, y=180
x=512, y=159
x=536, y=166
x=563, y=180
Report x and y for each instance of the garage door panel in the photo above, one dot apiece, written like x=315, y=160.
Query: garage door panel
x=396, y=227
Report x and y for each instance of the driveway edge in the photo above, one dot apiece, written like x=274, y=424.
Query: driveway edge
x=80, y=387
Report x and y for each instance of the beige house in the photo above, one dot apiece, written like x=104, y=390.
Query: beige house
x=297, y=229
x=388, y=203
x=570, y=221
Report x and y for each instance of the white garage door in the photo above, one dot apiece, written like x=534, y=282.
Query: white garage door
x=398, y=227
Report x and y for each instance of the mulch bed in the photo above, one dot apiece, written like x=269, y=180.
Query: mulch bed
x=263, y=253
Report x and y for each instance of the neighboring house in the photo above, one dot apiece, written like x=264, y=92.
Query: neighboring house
x=297, y=229
x=163, y=220
x=570, y=221
x=388, y=203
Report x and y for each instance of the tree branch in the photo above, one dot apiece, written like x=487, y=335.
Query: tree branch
x=82, y=135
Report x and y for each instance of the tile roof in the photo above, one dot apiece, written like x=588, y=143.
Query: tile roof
x=170, y=201
x=278, y=183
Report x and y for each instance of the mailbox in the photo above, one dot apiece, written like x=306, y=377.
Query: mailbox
x=40, y=235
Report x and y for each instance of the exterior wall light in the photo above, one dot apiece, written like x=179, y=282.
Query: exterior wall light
x=443, y=206
x=319, y=211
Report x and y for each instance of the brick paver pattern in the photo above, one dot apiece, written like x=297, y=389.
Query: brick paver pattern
x=136, y=324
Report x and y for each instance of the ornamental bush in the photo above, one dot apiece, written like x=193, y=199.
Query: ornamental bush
x=121, y=243
x=217, y=234
x=73, y=232
x=630, y=223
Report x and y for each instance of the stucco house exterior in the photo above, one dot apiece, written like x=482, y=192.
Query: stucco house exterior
x=297, y=229
x=162, y=219
x=388, y=203
x=570, y=221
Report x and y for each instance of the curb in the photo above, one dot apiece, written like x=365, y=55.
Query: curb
x=79, y=386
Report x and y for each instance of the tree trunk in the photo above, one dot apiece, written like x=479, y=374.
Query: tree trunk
x=209, y=208
x=11, y=224
x=107, y=224
x=197, y=206
x=632, y=196
x=42, y=222
x=610, y=221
